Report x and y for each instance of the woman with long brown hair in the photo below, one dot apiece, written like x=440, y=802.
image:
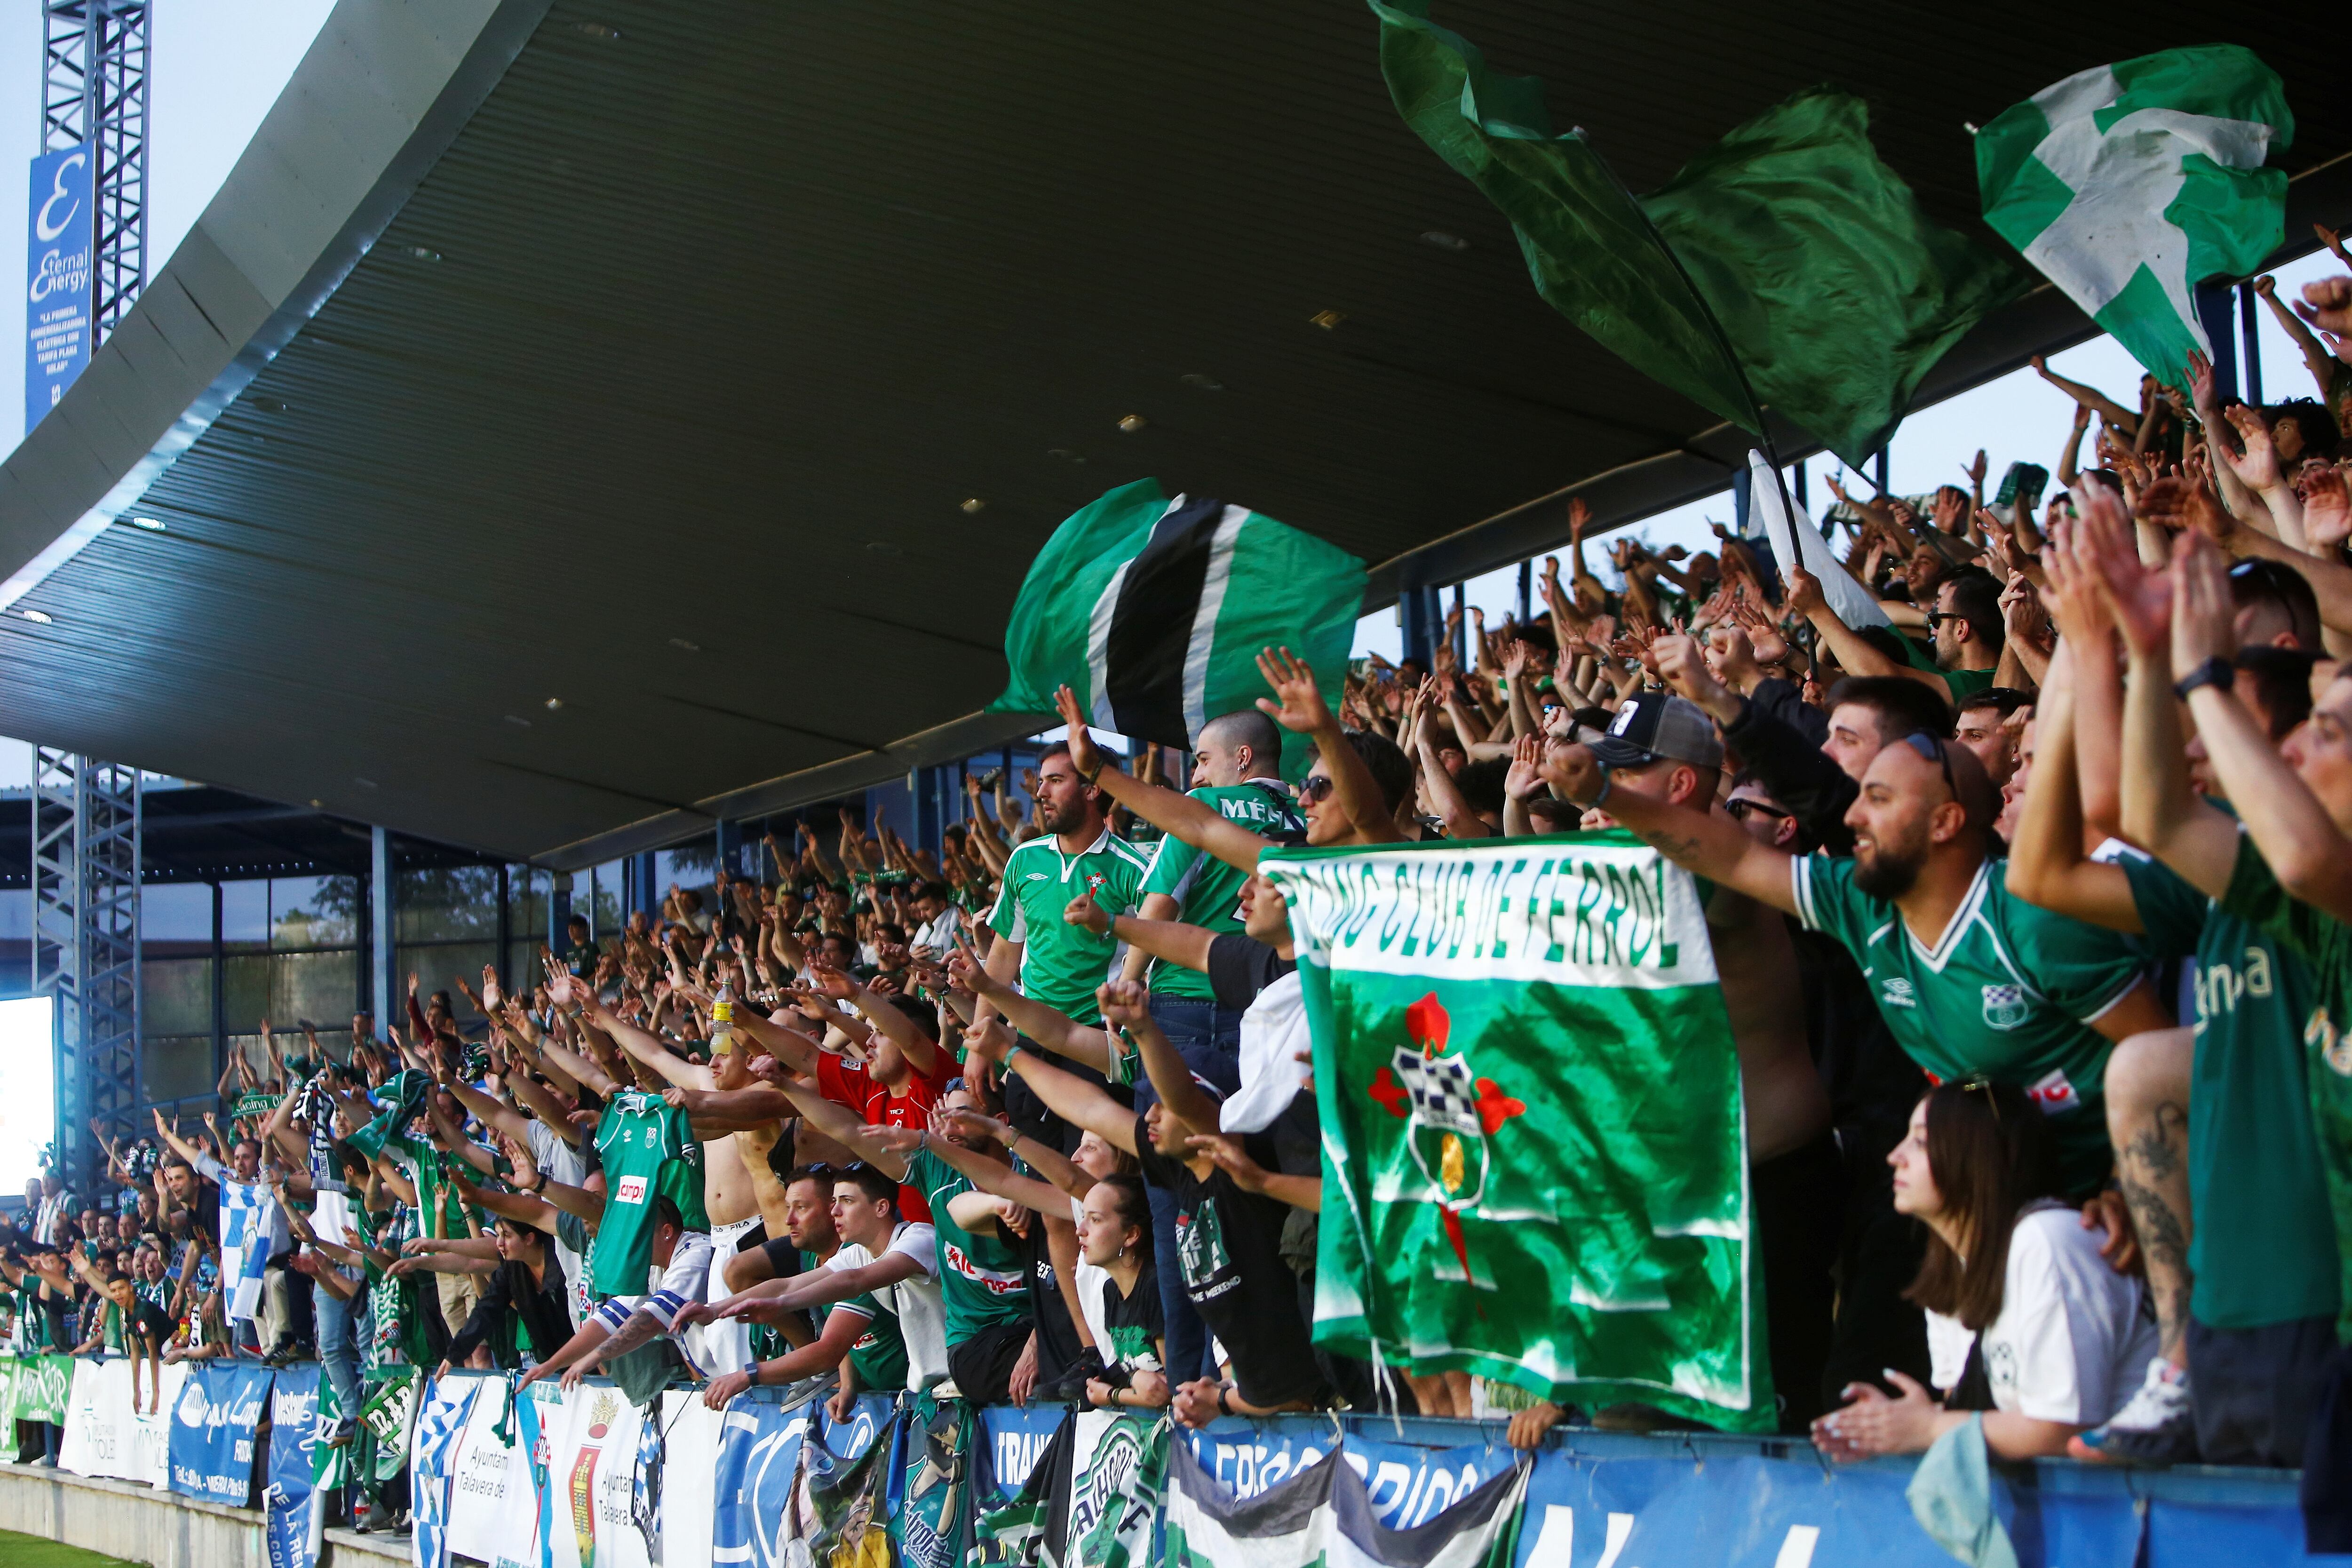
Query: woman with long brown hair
x=2026, y=1322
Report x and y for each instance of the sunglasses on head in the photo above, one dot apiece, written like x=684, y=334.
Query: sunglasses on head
x=1933, y=748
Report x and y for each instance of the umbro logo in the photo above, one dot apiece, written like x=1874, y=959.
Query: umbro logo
x=1897, y=993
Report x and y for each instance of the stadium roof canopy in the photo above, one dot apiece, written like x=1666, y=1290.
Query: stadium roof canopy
x=567, y=422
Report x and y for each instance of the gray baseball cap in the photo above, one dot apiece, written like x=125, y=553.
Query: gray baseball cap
x=1652, y=725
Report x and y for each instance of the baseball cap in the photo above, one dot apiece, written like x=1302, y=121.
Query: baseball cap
x=1652, y=725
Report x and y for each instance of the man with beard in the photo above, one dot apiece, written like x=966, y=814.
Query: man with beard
x=1972, y=981
x=1058, y=963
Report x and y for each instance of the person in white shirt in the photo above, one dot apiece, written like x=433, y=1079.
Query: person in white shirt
x=2026, y=1322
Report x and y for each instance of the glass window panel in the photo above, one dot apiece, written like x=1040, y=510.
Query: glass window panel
x=177, y=913
x=598, y=896
x=314, y=912
x=244, y=914
x=179, y=1067
x=449, y=903
x=176, y=993
x=16, y=915
x=437, y=968
x=249, y=1046
x=245, y=990
x=321, y=986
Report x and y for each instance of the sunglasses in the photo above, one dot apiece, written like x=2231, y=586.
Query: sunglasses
x=1932, y=749
x=1318, y=788
x=1741, y=810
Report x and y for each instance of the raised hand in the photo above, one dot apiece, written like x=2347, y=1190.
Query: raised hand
x=1084, y=911
x=2140, y=599
x=2258, y=469
x=1525, y=780
x=1298, y=705
x=2326, y=304
x=1804, y=593
x=2204, y=615
x=1083, y=757
x=2326, y=508
x=1124, y=1003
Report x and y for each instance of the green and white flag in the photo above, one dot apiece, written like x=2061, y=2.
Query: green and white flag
x=1093, y=1499
x=1323, y=1518
x=2129, y=185
x=1154, y=612
x=1534, y=1154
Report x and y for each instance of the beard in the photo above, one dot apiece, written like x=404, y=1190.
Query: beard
x=1068, y=817
x=1889, y=870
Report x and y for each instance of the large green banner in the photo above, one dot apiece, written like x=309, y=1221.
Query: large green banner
x=44, y=1387
x=1534, y=1162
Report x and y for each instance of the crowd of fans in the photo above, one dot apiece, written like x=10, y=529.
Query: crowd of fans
x=2029, y=907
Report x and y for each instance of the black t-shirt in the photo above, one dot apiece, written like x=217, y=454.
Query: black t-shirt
x=1134, y=1322
x=1242, y=966
x=1229, y=1256
x=1057, y=1337
x=149, y=1323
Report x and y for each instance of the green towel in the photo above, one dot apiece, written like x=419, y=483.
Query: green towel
x=1952, y=1498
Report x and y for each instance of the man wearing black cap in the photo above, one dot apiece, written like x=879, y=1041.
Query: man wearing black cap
x=1969, y=979
x=1665, y=751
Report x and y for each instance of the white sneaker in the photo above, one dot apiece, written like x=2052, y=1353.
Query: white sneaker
x=2157, y=1426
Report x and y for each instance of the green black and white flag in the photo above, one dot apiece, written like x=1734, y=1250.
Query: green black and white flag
x=1323, y=1518
x=1154, y=612
x=1092, y=1500
x=2129, y=185
x=1534, y=1152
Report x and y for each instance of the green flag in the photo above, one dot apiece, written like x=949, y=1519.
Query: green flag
x=1825, y=282
x=2129, y=185
x=1535, y=1156
x=1154, y=612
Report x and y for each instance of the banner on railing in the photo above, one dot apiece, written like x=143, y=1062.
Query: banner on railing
x=111, y=1433
x=44, y=1387
x=214, y=1424
x=581, y=1478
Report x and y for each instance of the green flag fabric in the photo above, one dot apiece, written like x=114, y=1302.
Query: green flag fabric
x=1831, y=287
x=1154, y=612
x=2129, y=185
x=1525, y=1073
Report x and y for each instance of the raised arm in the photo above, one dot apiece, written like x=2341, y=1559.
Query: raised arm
x=2049, y=864
x=1126, y=1005
x=1301, y=710
x=1051, y=1028
x=1854, y=654
x=1706, y=845
x=1196, y=823
x=1081, y=1104
x=992, y=1176
x=1172, y=941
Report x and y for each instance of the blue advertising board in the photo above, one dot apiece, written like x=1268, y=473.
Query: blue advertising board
x=293, y=1449
x=59, y=235
x=213, y=1429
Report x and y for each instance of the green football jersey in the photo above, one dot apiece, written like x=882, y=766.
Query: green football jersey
x=982, y=1282
x=1061, y=963
x=2009, y=991
x=1207, y=892
x=2264, y=1250
x=879, y=1354
x=2326, y=943
x=648, y=1151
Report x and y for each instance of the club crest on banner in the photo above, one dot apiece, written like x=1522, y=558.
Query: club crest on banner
x=1449, y=1113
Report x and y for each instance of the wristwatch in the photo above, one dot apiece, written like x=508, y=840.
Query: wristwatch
x=2216, y=672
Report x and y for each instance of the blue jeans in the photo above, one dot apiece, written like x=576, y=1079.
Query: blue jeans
x=338, y=1351
x=1209, y=1038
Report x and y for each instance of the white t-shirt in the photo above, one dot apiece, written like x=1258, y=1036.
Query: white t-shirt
x=1274, y=1031
x=2074, y=1338
x=923, y=1319
x=1090, y=1288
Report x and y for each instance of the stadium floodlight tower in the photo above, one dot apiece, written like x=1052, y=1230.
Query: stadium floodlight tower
x=85, y=813
x=94, y=59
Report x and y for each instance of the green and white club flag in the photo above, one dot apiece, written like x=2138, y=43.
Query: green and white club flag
x=1093, y=1499
x=1154, y=612
x=2129, y=185
x=1323, y=1518
x=1535, y=1157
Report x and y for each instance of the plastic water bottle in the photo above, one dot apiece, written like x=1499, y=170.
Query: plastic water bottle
x=722, y=1022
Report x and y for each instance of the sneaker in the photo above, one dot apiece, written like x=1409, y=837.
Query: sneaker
x=2157, y=1426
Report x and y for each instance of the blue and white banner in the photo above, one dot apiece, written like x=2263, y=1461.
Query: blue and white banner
x=433, y=1465
x=1012, y=1440
x=59, y=326
x=212, y=1427
x=758, y=1455
x=289, y=1503
x=1409, y=1483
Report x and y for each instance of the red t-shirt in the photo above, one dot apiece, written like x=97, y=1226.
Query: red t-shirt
x=845, y=1083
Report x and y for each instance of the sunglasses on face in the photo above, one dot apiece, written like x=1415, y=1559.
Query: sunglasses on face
x=1316, y=788
x=1743, y=808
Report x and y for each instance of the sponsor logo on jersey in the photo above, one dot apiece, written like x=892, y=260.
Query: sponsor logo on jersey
x=2005, y=1007
x=2052, y=1094
x=632, y=1190
x=988, y=1280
